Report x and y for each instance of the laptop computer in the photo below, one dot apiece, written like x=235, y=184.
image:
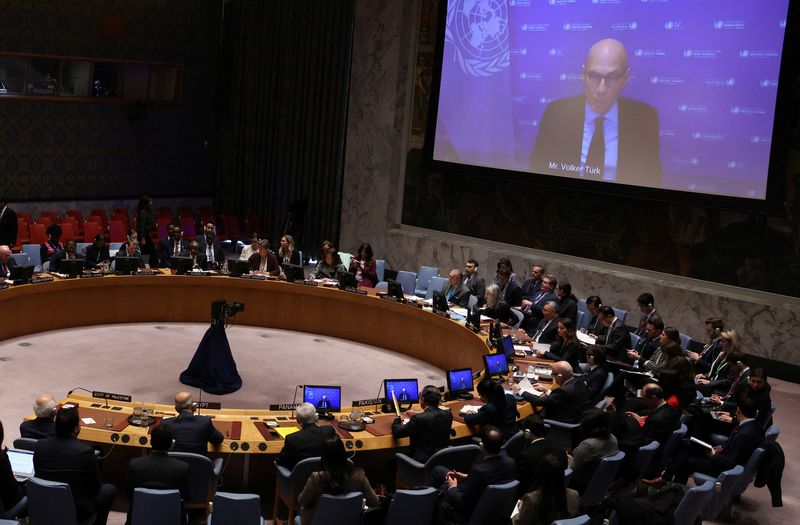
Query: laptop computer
x=21, y=463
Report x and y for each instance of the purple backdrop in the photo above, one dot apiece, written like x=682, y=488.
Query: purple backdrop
x=710, y=68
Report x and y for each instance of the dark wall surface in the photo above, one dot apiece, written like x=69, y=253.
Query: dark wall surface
x=64, y=150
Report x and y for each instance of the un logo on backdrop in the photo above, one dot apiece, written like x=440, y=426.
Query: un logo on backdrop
x=478, y=32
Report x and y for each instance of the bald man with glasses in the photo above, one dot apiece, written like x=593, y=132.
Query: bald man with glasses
x=599, y=135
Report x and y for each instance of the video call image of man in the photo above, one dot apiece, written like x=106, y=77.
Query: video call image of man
x=599, y=135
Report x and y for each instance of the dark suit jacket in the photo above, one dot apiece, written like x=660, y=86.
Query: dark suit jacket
x=502, y=313
x=568, y=307
x=703, y=365
x=429, y=432
x=95, y=255
x=659, y=426
x=561, y=136
x=549, y=334
x=39, y=428
x=477, y=286
x=459, y=294
x=158, y=471
x=8, y=227
x=566, y=403
x=168, y=250
x=743, y=441
x=73, y=462
x=529, y=460
x=571, y=353
x=219, y=255
x=512, y=295
x=504, y=418
x=617, y=341
x=272, y=263
x=193, y=433
x=645, y=348
x=307, y=443
x=490, y=471
x=294, y=259
x=530, y=288
x=595, y=381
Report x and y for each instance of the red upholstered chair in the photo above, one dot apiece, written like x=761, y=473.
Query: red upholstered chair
x=23, y=235
x=53, y=216
x=68, y=232
x=38, y=234
x=28, y=216
x=118, y=232
x=45, y=220
x=253, y=223
x=90, y=230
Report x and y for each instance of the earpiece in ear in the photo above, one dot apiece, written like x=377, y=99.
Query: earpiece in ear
x=527, y=434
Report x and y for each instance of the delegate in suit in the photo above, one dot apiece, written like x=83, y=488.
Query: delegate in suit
x=598, y=135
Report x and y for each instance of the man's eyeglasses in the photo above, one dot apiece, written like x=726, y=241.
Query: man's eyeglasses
x=612, y=80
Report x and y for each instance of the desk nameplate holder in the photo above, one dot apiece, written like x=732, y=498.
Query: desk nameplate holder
x=284, y=406
x=39, y=280
x=91, y=275
x=360, y=403
x=355, y=291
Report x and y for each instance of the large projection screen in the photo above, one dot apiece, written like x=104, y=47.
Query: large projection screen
x=660, y=94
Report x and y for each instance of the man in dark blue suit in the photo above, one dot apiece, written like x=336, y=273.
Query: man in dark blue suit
x=531, y=287
x=736, y=451
x=174, y=246
x=192, y=433
x=567, y=401
x=212, y=249
x=428, y=430
x=65, y=459
x=6, y=262
x=462, y=491
x=703, y=361
x=533, y=309
x=307, y=443
x=647, y=344
x=44, y=406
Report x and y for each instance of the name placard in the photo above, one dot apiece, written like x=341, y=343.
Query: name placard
x=367, y=402
x=113, y=397
x=211, y=405
x=284, y=406
x=90, y=275
x=39, y=280
x=356, y=291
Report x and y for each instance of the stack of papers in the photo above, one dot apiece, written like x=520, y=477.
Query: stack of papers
x=469, y=409
x=526, y=386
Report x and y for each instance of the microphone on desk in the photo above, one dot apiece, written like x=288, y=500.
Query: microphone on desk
x=88, y=392
x=294, y=397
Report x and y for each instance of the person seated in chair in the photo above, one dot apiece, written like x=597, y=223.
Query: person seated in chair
x=461, y=491
x=308, y=441
x=192, y=433
x=6, y=262
x=97, y=253
x=536, y=448
x=70, y=252
x=567, y=401
x=338, y=476
x=496, y=308
x=598, y=442
x=454, y=290
x=44, y=426
x=264, y=262
x=64, y=459
x=158, y=470
x=429, y=430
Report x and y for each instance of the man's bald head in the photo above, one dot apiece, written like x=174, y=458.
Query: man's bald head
x=44, y=406
x=562, y=371
x=605, y=74
x=183, y=401
x=5, y=253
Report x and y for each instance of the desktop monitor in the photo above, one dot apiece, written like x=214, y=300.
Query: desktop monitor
x=405, y=390
x=495, y=364
x=394, y=289
x=439, y=302
x=325, y=398
x=293, y=272
x=459, y=381
x=237, y=268
x=182, y=265
x=71, y=267
x=21, y=272
x=126, y=265
x=346, y=280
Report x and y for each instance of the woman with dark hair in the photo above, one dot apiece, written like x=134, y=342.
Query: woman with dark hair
x=593, y=304
x=324, y=247
x=677, y=379
x=500, y=409
x=566, y=347
x=338, y=476
x=249, y=249
x=10, y=490
x=53, y=244
x=329, y=265
x=287, y=253
x=363, y=265
x=669, y=336
x=567, y=303
x=496, y=308
x=756, y=391
x=598, y=442
x=549, y=500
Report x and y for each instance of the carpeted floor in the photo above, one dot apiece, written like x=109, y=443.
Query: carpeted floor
x=144, y=361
